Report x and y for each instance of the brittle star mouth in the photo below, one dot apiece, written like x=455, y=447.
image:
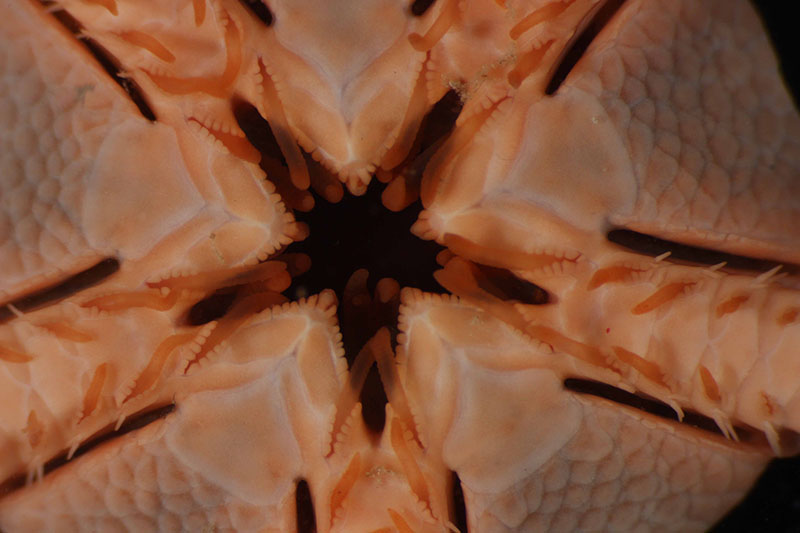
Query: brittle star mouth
x=381, y=244
x=365, y=243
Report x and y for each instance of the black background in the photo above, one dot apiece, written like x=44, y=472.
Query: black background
x=774, y=503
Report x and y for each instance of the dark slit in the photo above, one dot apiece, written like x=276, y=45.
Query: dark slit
x=109, y=63
x=440, y=120
x=655, y=407
x=260, y=9
x=63, y=289
x=580, y=43
x=419, y=7
x=373, y=402
x=211, y=308
x=653, y=246
x=506, y=286
x=257, y=130
x=304, y=508
x=459, y=504
x=132, y=423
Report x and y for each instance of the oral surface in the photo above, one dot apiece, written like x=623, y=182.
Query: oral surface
x=485, y=265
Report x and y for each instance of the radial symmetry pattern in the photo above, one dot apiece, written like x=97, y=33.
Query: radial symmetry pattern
x=394, y=265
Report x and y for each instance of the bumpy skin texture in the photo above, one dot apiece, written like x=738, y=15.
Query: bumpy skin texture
x=560, y=462
x=80, y=164
x=674, y=123
x=171, y=475
x=721, y=159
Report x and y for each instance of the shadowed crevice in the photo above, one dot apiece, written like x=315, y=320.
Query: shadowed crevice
x=505, y=285
x=61, y=290
x=577, y=47
x=459, y=504
x=132, y=423
x=373, y=402
x=440, y=121
x=260, y=9
x=683, y=253
x=419, y=7
x=304, y=508
x=658, y=408
x=263, y=136
x=107, y=61
x=257, y=130
x=211, y=307
x=430, y=138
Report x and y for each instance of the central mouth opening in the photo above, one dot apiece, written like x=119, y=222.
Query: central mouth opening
x=359, y=233
x=347, y=232
x=354, y=239
x=358, y=247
